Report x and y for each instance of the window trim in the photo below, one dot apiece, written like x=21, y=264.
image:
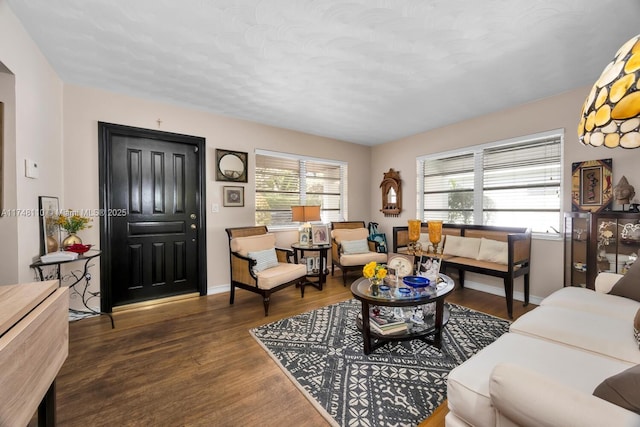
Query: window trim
x=479, y=149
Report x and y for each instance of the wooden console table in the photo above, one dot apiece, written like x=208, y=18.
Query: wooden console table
x=34, y=343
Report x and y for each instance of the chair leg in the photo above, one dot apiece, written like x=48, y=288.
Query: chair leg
x=526, y=290
x=265, y=300
x=461, y=277
x=344, y=276
x=232, y=294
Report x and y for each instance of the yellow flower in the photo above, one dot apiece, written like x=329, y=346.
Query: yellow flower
x=73, y=222
x=373, y=269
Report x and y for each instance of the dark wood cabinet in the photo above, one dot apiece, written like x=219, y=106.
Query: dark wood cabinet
x=597, y=242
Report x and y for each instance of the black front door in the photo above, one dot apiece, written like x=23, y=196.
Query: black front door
x=152, y=230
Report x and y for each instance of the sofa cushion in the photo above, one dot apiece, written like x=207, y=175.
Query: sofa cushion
x=468, y=384
x=362, y=259
x=360, y=246
x=283, y=273
x=264, y=259
x=605, y=335
x=629, y=285
x=260, y=242
x=342, y=234
x=493, y=251
x=467, y=247
x=593, y=302
x=622, y=389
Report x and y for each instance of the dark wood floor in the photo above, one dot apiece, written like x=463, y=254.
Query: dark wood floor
x=193, y=363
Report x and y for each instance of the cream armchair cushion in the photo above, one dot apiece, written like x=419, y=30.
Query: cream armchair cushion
x=260, y=242
x=349, y=234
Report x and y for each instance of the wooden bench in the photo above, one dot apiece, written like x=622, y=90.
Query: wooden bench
x=516, y=263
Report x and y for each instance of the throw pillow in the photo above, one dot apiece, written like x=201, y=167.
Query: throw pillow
x=350, y=247
x=467, y=247
x=264, y=259
x=636, y=327
x=493, y=251
x=622, y=389
x=629, y=285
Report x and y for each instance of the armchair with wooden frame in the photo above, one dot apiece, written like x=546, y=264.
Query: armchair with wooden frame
x=257, y=265
x=351, y=249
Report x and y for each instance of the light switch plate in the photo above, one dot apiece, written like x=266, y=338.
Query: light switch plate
x=31, y=169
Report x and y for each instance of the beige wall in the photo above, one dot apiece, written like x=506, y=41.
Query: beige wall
x=38, y=136
x=84, y=107
x=8, y=224
x=558, y=112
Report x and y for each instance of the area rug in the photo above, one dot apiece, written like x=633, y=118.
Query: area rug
x=399, y=384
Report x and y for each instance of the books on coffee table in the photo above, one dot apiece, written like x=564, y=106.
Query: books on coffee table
x=386, y=324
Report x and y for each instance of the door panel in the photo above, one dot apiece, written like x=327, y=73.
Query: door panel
x=154, y=245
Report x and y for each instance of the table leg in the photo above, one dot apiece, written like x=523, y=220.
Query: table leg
x=437, y=334
x=366, y=332
x=47, y=408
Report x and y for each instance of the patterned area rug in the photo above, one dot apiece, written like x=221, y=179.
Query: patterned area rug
x=400, y=384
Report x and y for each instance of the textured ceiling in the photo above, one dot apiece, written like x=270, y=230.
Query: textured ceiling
x=365, y=71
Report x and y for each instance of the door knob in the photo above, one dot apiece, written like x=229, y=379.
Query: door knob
x=193, y=226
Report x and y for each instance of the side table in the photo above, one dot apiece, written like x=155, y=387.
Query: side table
x=79, y=280
x=319, y=270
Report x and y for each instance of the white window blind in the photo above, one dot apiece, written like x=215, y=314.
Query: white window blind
x=514, y=183
x=283, y=180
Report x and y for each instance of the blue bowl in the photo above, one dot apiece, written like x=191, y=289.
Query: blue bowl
x=416, y=281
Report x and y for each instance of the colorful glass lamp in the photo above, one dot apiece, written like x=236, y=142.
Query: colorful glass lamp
x=611, y=112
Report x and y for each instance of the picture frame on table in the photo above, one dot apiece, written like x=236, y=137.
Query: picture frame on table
x=303, y=238
x=232, y=196
x=320, y=234
x=48, y=211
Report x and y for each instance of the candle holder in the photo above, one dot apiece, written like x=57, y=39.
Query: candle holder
x=435, y=235
x=414, y=247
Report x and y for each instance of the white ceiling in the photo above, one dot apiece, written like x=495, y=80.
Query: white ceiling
x=365, y=71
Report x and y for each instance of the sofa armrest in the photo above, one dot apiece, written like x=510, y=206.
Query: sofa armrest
x=527, y=398
x=605, y=281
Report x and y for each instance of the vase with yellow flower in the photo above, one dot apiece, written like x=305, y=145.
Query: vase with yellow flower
x=375, y=273
x=72, y=222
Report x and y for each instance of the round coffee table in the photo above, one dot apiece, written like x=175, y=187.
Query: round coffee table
x=430, y=330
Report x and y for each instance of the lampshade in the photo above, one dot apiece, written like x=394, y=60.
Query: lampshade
x=305, y=213
x=611, y=112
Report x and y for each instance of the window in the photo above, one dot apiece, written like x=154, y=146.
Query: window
x=283, y=180
x=514, y=183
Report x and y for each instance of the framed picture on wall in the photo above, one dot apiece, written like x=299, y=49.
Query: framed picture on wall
x=591, y=185
x=49, y=209
x=233, y=196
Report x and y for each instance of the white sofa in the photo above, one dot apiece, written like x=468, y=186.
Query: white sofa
x=544, y=370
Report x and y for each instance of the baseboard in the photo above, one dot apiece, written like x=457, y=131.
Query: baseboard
x=218, y=289
x=519, y=296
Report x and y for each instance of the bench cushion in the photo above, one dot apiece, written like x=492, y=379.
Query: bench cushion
x=467, y=247
x=493, y=251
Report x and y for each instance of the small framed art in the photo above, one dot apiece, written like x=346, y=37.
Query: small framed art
x=49, y=210
x=320, y=234
x=233, y=196
x=591, y=186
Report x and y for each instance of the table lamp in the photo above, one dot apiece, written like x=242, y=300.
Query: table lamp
x=305, y=214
